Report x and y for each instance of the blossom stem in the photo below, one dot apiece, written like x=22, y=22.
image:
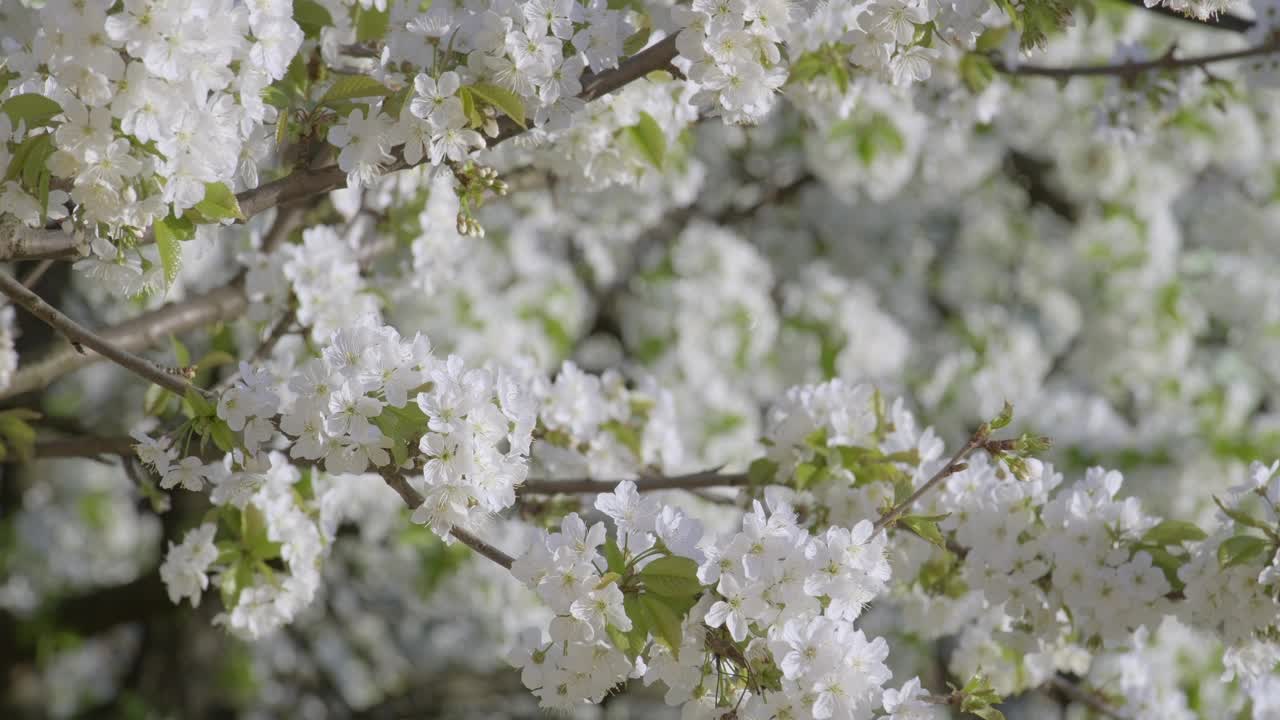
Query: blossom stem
x=82, y=336
x=1129, y=69
x=954, y=465
x=401, y=485
x=1078, y=694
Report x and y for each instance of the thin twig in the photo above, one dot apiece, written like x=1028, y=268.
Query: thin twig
x=1084, y=697
x=1129, y=69
x=953, y=466
x=33, y=277
x=411, y=498
x=77, y=334
x=702, y=479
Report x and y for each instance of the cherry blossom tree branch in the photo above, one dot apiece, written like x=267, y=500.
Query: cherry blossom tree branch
x=690, y=481
x=19, y=242
x=82, y=336
x=953, y=466
x=144, y=331
x=304, y=183
x=1085, y=697
x=1130, y=69
x=1224, y=21
x=401, y=485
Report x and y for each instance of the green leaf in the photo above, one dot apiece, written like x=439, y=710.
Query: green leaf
x=925, y=527
x=613, y=556
x=649, y=139
x=394, y=103
x=219, y=203
x=1240, y=549
x=503, y=99
x=181, y=355
x=1174, y=532
x=666, y=623
x=170, y=250
x=200, y=407
x=311, y=16
x=351, y=87
x=255, y=540
x=619, y=639
x=1242, y=517
x=1002, y=420
x=32, y=108
x=804, y=475
x=986, y=713
x=371, y=24
x=474, y=118
x=641, y=623
x=992, y=38
x=637, y=41
x=221, y=434
x=19, y=436
x=1168, y=564
x=672, y=576
x=762, y=471
x=626, y=435
x=215, y=358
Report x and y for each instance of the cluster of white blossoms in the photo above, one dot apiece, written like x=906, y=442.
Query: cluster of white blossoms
x=599, y=426
x=763, y=619
x=136, y=108
x=469, y=65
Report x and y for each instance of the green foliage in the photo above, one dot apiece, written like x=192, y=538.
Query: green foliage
x=871, y=137
x=404, y=426
x=828, y=61
x=311, y=17
x=351, y=87
x=17, y=437
x=169, y=233
x=502, y=99
x=29, y=166
x=219, y=204
x=671, y=576
x=371, y=24
x=1174, y=532
x=977, y=698
x=648, y=138
x=31, y=108
x=1241, y=549
x=926, y=526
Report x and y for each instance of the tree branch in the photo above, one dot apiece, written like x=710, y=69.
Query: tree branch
x=411, y=498
x=78, y=334
x=953, y=466
x=1130, y=69
x=304, y=183
x=144, y=331
x=19, y=242
x=691, y=481
x=1085, y=697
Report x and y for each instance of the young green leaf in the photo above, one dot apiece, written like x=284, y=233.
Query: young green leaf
x=671, y=576
x=925, y=527
x=649, y=139
x=503, y=99
x=219, y=203
x=1174, y=532
x=31, y=108
x=351, y=87
x=1240, y=549
x=666, y=623
x=167, y=242
x=311, y=17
